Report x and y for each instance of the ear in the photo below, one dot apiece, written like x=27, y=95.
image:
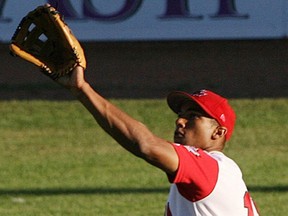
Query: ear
x=219, y=132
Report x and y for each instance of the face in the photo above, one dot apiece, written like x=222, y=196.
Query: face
x=194, y=127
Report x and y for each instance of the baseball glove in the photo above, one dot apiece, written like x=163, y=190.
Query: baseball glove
x=44, y=39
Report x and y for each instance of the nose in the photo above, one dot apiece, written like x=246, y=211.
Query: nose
x=181, y=122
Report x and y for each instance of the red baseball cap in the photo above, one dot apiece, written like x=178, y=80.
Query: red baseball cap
x=213, y=104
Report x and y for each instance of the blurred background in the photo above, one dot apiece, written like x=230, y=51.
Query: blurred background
x=145, y=49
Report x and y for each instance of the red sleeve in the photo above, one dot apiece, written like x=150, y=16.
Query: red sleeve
x=197, y=173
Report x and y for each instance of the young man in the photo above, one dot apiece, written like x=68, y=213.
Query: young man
x=203, y=180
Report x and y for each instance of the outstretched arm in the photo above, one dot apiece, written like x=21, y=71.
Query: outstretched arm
x=128, y=132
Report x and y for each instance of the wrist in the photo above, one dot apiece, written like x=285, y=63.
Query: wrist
x=79, y=92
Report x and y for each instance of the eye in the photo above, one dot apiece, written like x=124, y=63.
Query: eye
x=188, y=115
x=194, y=116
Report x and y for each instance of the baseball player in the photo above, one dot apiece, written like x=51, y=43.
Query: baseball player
x=203, y=180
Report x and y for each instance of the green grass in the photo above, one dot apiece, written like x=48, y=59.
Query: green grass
x=54, y=159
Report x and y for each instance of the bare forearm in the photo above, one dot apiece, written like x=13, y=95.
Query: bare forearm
x=128, y=132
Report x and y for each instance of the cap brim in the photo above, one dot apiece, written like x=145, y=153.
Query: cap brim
x=176, y=99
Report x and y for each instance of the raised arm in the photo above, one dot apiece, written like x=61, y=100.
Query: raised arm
x=58, y=55
x=128, y=132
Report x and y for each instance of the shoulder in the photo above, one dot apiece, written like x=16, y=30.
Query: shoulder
x=188, y=149
x=197, y=172
x=195, y=163
x=225, y=162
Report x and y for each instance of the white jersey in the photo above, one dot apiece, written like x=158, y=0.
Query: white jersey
x=207, y=184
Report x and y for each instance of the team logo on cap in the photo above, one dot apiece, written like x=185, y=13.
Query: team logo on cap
x=222, y=117
x=200, y=93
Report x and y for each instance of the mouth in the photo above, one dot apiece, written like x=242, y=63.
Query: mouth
x=178, y=135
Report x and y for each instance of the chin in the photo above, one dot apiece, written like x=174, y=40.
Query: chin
x=179, y=141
